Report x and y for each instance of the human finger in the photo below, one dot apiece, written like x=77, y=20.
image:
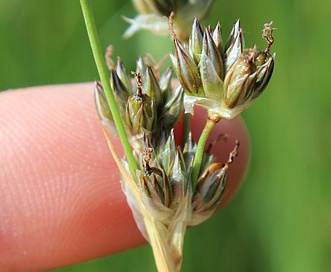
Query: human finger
x=61, y=199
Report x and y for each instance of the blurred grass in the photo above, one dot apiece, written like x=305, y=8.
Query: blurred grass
x=280, y=220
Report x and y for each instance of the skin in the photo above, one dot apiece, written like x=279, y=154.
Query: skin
x=61, y=201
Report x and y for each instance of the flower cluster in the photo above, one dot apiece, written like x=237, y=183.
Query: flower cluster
x=171, y=186
x=153, y=16
x=163, y=178
x=152, y=108
x=174, y=186
x=225, y=79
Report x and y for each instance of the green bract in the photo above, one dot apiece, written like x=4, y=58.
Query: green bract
x=226, y=80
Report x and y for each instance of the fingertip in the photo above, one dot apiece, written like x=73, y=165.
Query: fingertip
x=61, y=198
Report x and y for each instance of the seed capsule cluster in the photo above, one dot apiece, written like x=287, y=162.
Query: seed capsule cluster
x=175, y=186
x=225, y=79
x=151, y=109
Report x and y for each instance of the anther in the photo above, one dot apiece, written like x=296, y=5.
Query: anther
x=108, y=55
x=267, y=35
x=233, y=153
x=146, y=156
x=139, y=83
x=171, y=26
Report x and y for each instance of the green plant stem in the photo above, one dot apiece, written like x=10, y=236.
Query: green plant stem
x=187, y=127
x=104, y=76
x=210, y=124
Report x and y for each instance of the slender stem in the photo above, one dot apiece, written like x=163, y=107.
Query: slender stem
x=210, y=124
x=104, y=76
x=186, y=132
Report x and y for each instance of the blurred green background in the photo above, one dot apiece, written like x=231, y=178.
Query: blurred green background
x=280, y=220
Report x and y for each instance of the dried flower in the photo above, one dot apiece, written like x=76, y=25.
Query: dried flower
x=224, y=81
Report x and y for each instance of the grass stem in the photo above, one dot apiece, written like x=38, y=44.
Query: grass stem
x=210, y=124
x=104, y=76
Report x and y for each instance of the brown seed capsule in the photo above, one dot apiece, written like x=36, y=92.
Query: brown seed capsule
x=247, y=78
x=154, y=180
x=141, y=111
x=210, y=188
x=239, y=82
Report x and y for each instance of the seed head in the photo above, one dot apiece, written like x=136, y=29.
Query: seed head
x=224, y=81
